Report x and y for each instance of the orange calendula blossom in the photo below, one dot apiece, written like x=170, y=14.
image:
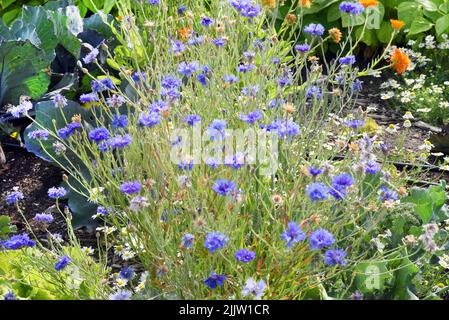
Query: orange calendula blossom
x=400, y=61
x=369, y=3
x=271, y=4
x=184, y=33
x=306, y=3
x=397, y=24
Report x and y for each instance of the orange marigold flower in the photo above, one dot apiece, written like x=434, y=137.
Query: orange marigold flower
x=291, y=18
x=271, y=4
x=401, y=61
x=397, y=24
x=306, y=3
x=369, y=3
x=335, y=34
x=184, y=33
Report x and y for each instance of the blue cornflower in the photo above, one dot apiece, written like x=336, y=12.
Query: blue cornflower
x=215, y=240
x=230, y=78
x=240, y=4
x=275, y=103
x=187, y=69
x=62, y=263
x=347, y=60
x=99, y=134
x=206, y=21
x=153, y=2
x=123, y=294
x=22, y=108
x=303, y=48
x=223, y=187
x=317, y=191
x=354, y=8
x=215, y=280
x=213, y=163
x=10, y=296
x=39, y=134
x=355, y=123
x=171, y=82
x=387, y=194
x=235, y=161
x=119, y=121
x=115, y=101
x=182, y=9
x=251, y=90
x=17, y=242
x=219, y=42
x=43, y=217
x=320, y=239
x=251, y=117
x=202, y=78
x=172, y=93
x=372, y=167
x=315, y=171
x=101, y=211
x=245, y=68
x=293, y=234
x=56, y=192
x=14, y=197
x=139, y=76
x=102, y=85
x=149, y=119
x=59, y=101
x=344, y=180
x=253, y=288
x=177, y=47
x=187, y=240
x=91, y=56
x=157, y=106
x=284, y=128
x=89, y=98
x=335, y=256
x=191, y=119
x=130, y=187
x=119, y=142
x=314, y=29
x=314, y=92
x=284, y=81
x=127, y=273
x=245, y=255
x=216, y=128
x=195, y=40
x=357, y=85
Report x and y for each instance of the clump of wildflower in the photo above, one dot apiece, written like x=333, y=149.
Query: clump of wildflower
x=17, y=242
x=245, y=255
x=320, y=239
x=354, y=8
x=215, y=280
x=215, y=241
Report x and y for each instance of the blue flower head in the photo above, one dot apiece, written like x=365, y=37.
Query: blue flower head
x=62, y=262
x=335, y=256
x=57, y=192
x=187, y=240
x=317, y=191
x=314, y=29
x=215, y=241
x=320, y=239
x=215, y=280
x=354, y=8
x=224, y=187
x=14, y=197
x=293, y=234
x=127, y=273
x=251, y=117
x=17, y=242
x=130, y=187
x=99, y=134
x=245, y=255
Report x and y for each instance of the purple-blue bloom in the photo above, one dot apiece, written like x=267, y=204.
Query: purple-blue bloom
x=187, y=240
x=191, y=119
x=99, y=134
x=317, y=191
x=251, y=117
x=321, y=238
x=372, y=167
x=91, y=56
x=354, y=8
x=127, y=273
x=215, y=240
x=314, y=29
x=302, y=47
x=130, y=187
x=187, y=69
x=149, y=119
x=292, y=234
x=224, y=187
x=347, y=60
x=57, y=192
x=119, y=121
x=62, y=262
x=14, y=197
x=215, y=280
x=335, y=256
x=245, y=255
x=315, y=171
x=43, y=217
x=206, y=21
x=17, y=242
